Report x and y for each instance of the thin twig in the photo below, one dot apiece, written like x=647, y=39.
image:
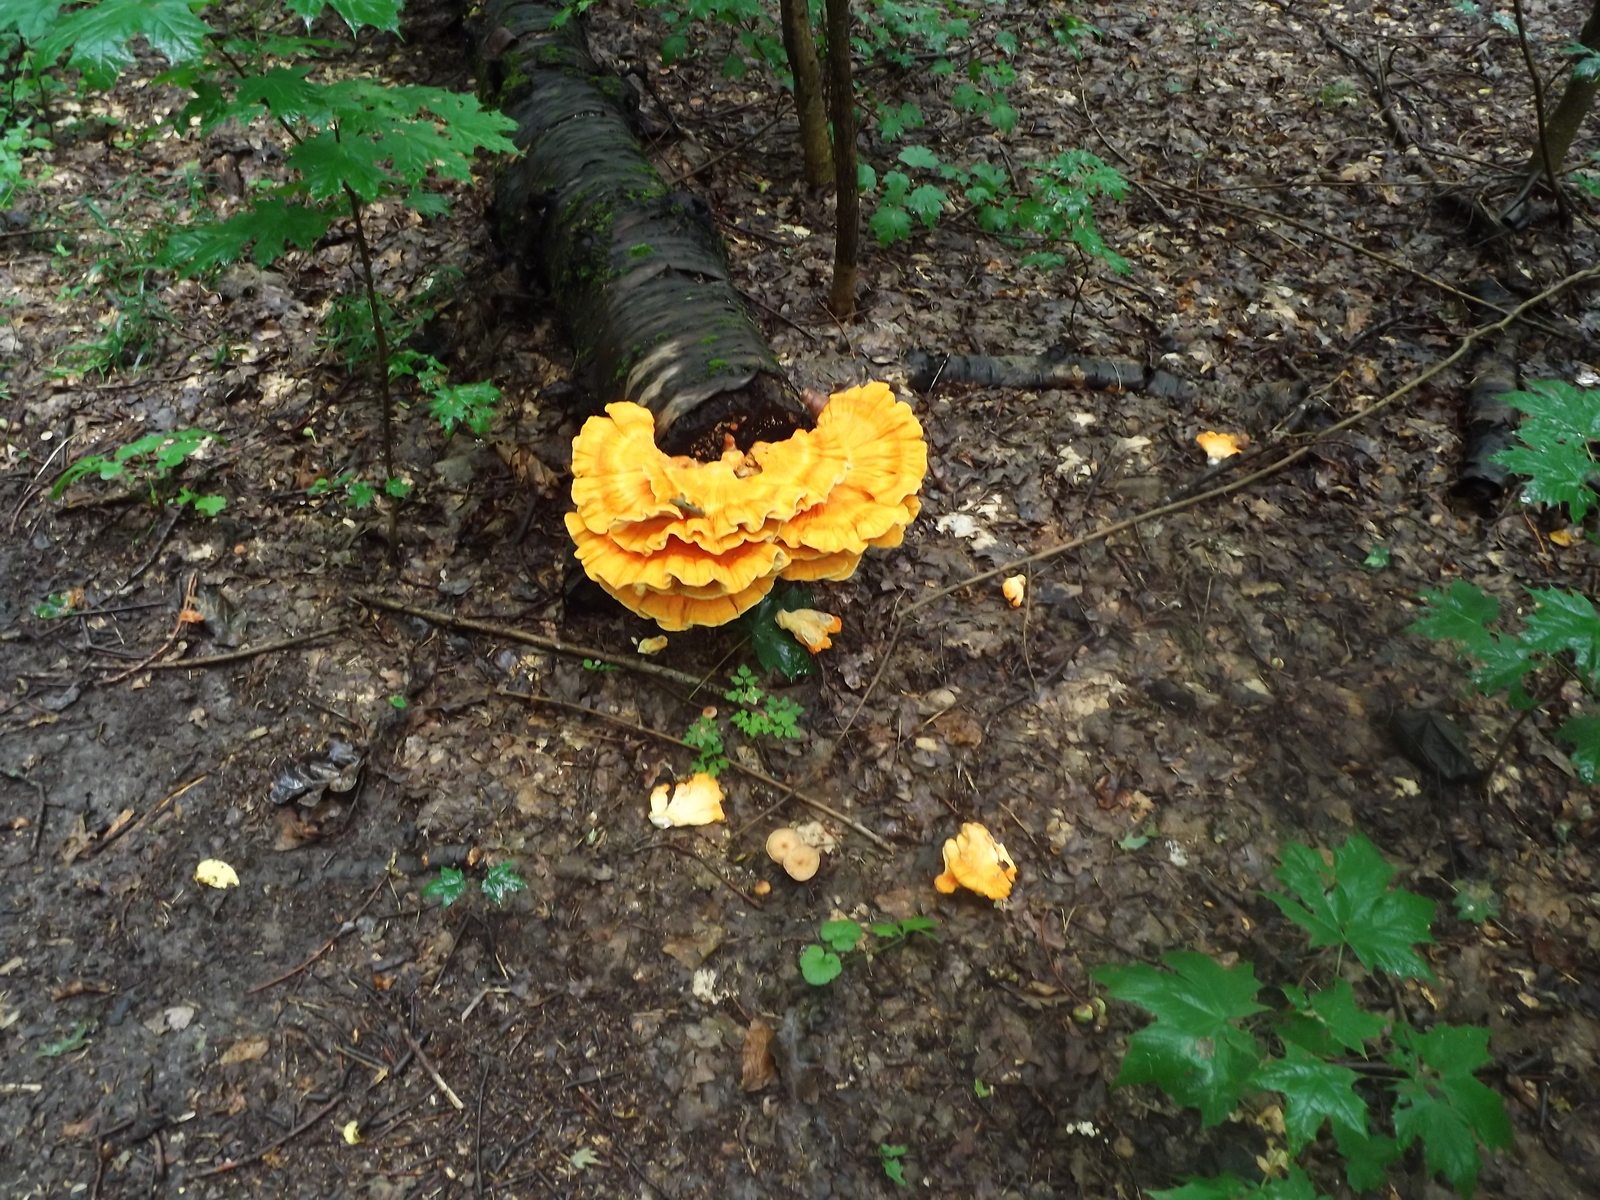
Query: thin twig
x=758, y=776
x=150, y=812
x=231, y=656
x=186, y=614
x=345, y=927
x=433, y=1072
x=436, y=617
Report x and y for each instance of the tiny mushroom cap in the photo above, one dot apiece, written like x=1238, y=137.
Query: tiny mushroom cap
x=780, y=842
x=1014, y=588
x=802, y=862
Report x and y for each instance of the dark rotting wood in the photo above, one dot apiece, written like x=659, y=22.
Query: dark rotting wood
x=637, y=271
x=1052, y=369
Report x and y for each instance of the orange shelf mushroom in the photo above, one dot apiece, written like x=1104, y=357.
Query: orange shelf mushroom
x=694, y=543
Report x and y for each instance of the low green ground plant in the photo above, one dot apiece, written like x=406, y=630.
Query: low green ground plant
x=822, y=962
x=148, y=464
x=1375, y=1082
x=1558, y=638
x=499, y=883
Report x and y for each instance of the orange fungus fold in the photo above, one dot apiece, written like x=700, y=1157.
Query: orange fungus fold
x=975, y=861
x=689, y=543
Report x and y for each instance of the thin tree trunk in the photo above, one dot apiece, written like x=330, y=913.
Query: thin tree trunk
x=802, y=52
x=847, y=211
x=636, y=271
x=1561, y=128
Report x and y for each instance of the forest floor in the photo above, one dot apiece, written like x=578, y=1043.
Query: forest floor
x=1169, y=708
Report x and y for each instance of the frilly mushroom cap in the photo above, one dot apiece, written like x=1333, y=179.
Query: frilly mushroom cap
x=695, y=801
x=1015, y=589
x=975, y=861
x=810, y=627
x=691, y=543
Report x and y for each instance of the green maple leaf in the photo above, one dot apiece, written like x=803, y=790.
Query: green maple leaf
x=272, y=224
x=283, y=91
x=1328, y=1021
x=329, y=165
x=927, y=202
x=380, y=14
x=98, y=36
x=1443, y=1104
x=919, y=156
x=1352, y=905
x=1565, y=621
x=889, y=224
x=1559, y=406
x=31, y=19
x=1367, y=1155
x=1584, y=734
x=1193, y=1050
x=1459, y=615
x=1558, y=470
x=1313, y=1091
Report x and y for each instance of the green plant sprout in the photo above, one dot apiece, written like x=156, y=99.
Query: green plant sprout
x=821, y=963
x=1561, y=636
x=890, y=1158
x=1202, y=1049
x=147, y=463
x=759, y=715
x=356, y=491
x=497, y=884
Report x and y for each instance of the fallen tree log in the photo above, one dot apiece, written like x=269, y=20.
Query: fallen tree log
x=636, y=270
x=1053, y=369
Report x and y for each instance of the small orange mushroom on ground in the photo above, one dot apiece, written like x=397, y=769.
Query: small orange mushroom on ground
x=975, y=861
x=810, y=627
x=1219, y=446
x=798, y=859
x=695, y=801
x=698, y=543
x=1014, y=588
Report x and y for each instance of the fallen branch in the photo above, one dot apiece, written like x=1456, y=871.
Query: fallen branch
x=217, y=660
x=627, y=663
x=759, y=776
x=186, y=615
x=433, y=1071
x=1294, y=456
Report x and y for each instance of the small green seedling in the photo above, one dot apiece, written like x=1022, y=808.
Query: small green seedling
x=74, y=1041
x=1476, y=902
x=399, y=702
x=498, y=883
x=147, y=462
x=58, y=604
x=357, y=492
x=595, y=665
x=758, y=715
x=1377, y=558
x=890, y=1157
x=821, y=964
x=981, y=1090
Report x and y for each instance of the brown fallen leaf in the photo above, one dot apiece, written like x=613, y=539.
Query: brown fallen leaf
x=245, y=1050
x=758, y=1068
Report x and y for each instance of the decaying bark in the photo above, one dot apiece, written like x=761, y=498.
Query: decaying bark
x=636, y=271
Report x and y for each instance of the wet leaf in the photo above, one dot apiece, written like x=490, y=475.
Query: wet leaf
x=757, y=1068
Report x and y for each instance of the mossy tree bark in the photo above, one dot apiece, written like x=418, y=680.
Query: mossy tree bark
x=801, y=50
x=847, y=211
x=636, y=271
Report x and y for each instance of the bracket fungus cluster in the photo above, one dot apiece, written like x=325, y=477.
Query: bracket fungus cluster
x=698, y=543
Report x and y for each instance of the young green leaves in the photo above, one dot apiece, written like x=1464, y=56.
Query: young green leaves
x=1559, y=423
x=1351, y=904
x=1202, y=1048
